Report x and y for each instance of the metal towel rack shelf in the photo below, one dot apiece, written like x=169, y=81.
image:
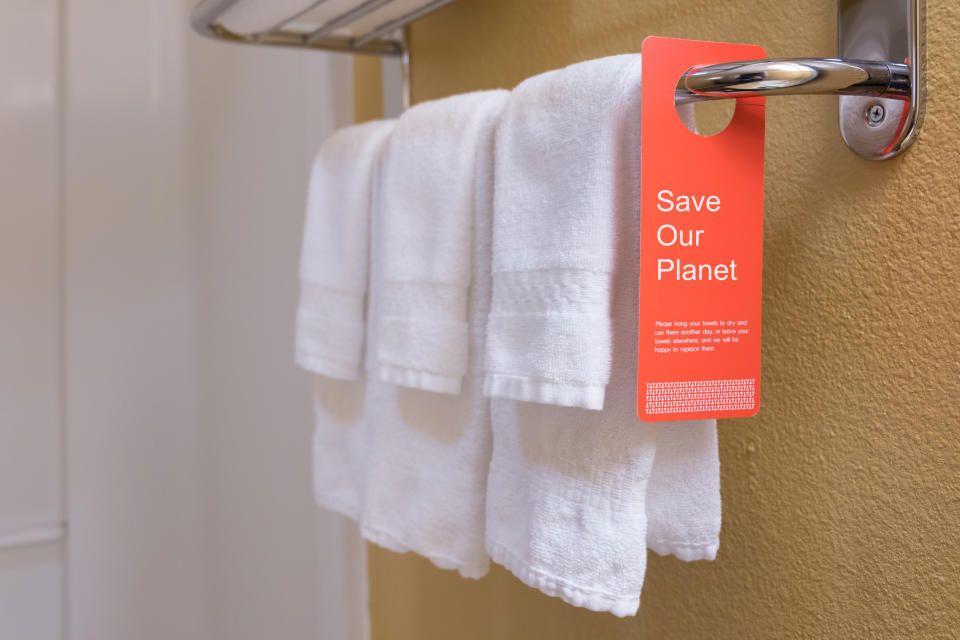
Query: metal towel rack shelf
x=879, y=75
x=377, y=41
x=206, y=14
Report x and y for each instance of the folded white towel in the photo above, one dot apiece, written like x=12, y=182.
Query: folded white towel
x=549, y=338
x=683, y=495
x=254, y=16
x=566, y=499
x=428, y=204
x=333, y=265
x=427, y=474
x=411, y=465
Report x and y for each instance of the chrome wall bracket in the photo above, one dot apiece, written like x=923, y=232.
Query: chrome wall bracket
x=875, y=127
x=879, y=76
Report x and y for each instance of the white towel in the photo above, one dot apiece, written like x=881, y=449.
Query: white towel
x=411, y=466
x=683, y=496
x=575, y=497
x=428, y=204
x=255, y=16
x=549, y=338
x=426, y=485
x=333, y=265
x=344, y=411
x=566, y=500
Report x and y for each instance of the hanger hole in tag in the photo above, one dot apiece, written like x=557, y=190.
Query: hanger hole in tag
x=707, y=118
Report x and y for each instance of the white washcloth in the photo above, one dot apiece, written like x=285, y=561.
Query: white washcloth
x=566, y=499
x=255, y=16
x=333, y=265
x=428, y=204
x=549, y=338
x=683, y=496
x=410, y=465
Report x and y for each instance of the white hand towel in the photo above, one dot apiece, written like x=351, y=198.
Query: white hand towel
x=428, y=204
x=341, y=443
x=333, y=265
x=549, y=338
x=345, y=411
x=255, y=16
x=566, y=495
x=575, y=497
x=410, y=465
x=683, y=496
x=427, y=477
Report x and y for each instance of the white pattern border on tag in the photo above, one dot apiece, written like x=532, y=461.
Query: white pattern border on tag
x=694, y=396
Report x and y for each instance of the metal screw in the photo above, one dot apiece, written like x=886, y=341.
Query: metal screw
x=875, y=114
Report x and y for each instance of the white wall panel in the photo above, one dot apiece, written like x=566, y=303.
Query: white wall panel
x=30, y=347
x=165, y=254
x=29, y=267
x=30, y=593
x=281, y=568
x=135, y=561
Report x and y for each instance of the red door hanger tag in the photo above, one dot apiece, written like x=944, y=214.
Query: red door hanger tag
x=701, y=251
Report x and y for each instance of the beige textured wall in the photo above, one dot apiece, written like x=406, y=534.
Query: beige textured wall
x=842, y=497
x=367, y=88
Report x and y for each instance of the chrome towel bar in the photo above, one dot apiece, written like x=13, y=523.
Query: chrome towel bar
x=787, y=76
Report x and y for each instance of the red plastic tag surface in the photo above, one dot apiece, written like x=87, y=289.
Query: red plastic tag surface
x=701, y=246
